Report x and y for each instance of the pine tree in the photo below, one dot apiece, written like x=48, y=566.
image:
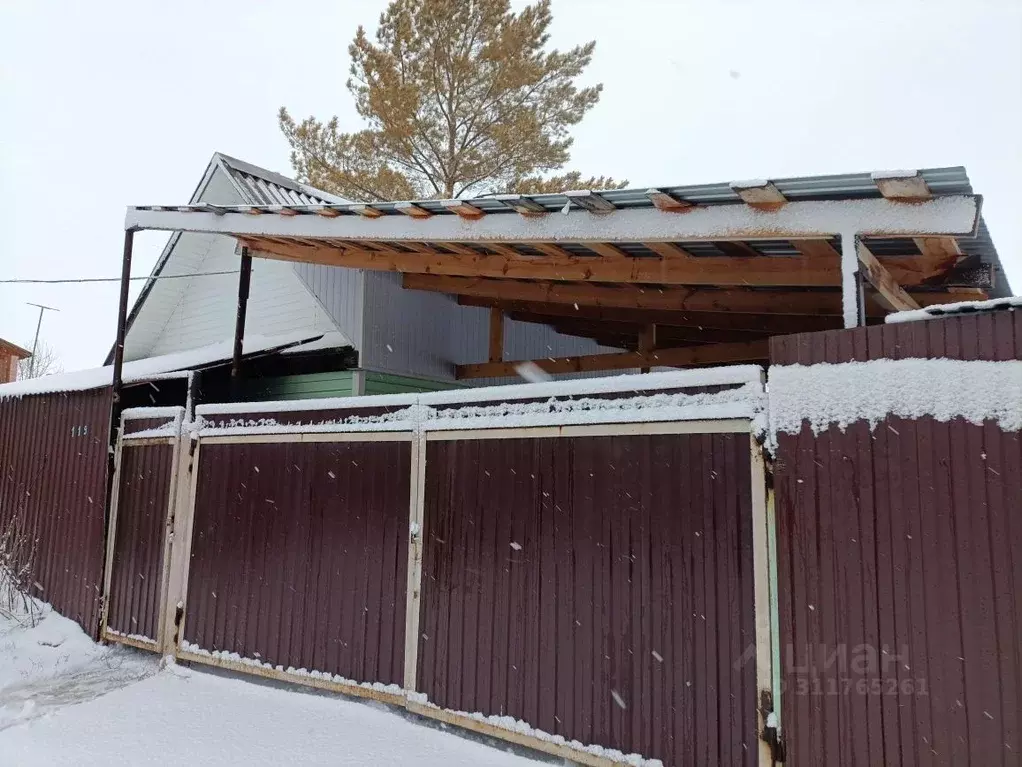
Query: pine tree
x=460, y=97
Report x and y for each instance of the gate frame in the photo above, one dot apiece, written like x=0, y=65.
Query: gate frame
x=182, y=559
x=763, y=555
x=126, y=440
x=419, y=431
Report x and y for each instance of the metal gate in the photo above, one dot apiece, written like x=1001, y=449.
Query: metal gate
x=138, y=544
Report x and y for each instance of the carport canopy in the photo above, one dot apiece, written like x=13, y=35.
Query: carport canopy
x=671, y=276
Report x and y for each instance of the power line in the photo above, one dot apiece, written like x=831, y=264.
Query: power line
x=110, y=279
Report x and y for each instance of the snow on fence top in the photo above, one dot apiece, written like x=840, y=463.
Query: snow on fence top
x=165, y=366
x=735, y=392
x=841, y=394
x=962, y=307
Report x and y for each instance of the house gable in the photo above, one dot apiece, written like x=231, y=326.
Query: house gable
x=177, y=314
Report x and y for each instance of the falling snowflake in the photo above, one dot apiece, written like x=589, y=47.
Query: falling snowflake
x=516, y=545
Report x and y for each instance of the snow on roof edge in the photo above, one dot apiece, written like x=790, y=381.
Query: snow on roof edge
x=152, y=367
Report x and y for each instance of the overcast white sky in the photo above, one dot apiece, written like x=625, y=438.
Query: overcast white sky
x=108, y=104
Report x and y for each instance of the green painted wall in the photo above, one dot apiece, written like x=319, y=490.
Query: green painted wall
x=385, y=383
x=308, y=386
x=338, y=384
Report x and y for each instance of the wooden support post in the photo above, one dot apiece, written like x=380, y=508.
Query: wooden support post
x=496, y=334
x=122, y=322
x=647, y=342
x=244, y=281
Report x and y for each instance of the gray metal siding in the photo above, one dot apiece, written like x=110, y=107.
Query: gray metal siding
x=340, y=292
x=416, y=333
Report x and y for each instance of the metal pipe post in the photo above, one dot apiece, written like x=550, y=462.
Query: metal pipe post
x=122, y=319
x=244, y=281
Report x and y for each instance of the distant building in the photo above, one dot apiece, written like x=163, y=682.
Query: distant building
x=10, y=356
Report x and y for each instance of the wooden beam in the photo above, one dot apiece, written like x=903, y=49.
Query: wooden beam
x=673, y=298
x=904, y=186
x=776, y=324
x=496, y=334
x=647, y=342
x=366, y=211
x=707, y=354
x=458, y=248
x=523, y=206
x=943, y=250
x=411, y=209
x=560, y=264
x=666, y=202
x=668, y=250
x=816, y=249
x=738, y=250
x=606, y=250
x=591, y=201
x=764, y=195
x=464, y=209
x=634, y=296
x=890, y=294
x=665, y=335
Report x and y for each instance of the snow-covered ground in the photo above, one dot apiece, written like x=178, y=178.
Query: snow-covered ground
x=67, y=701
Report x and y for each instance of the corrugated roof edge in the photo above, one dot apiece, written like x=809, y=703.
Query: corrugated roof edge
x=277, y=178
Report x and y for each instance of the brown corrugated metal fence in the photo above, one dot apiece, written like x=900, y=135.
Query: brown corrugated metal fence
x=53, y=464
x=599, y=588
x=144, y=480
x=299, y=555
x=900, y=568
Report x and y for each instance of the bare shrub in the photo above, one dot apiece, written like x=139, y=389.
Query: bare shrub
x=17, y=554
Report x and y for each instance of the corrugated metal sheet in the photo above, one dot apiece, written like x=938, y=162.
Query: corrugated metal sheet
x=900, y=567
x=299, y=555
x=597, y=588
x=142, y=508
x=53, y=468
x=901, y=594
x=941, y=181
x=990, y=336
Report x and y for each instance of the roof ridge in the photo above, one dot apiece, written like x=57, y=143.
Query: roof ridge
x=276, y=178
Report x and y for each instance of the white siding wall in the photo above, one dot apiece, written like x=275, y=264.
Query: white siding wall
x=410, y=332
x=188, y=313
x=340, y=291
x=278, y=303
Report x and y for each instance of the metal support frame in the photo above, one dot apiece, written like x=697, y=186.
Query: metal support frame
x=244, y=282
x=853, y=301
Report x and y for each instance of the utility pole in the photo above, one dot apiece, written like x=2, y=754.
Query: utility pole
x=35, y=342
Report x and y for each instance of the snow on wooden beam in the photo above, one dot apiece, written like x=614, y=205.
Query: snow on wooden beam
x=902, y=185
x=667, y=202
x=940, y=216
x=710, y=354
x=759, y=194
x=366, y=211
x=463, y=209
x=411, y=209
x=590, y=201
x=890, y=294
x=522, y=205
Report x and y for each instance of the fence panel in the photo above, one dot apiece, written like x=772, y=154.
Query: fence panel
x=900, y=567
x=598, y=587
x=299, y=555
x=144, y=477
x=53, y=468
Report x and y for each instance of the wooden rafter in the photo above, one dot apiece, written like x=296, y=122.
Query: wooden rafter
x=890, y=294
x=775, y=324
x=709, y=354
x=764, y=196
x=668, y=250
x=910, y=186
x=629, y=335
x=560, y=264
x=639, y=297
